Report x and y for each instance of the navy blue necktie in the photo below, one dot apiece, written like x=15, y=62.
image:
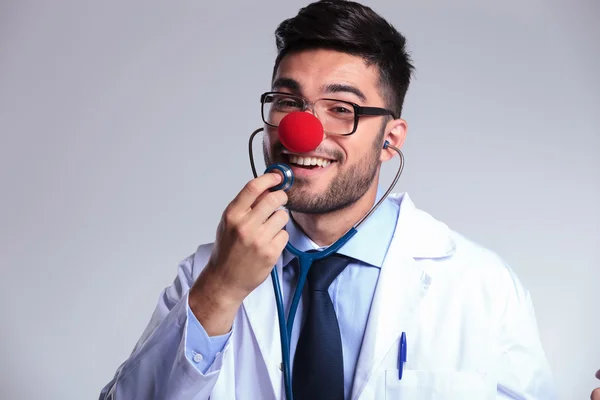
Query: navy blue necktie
x=318, y=371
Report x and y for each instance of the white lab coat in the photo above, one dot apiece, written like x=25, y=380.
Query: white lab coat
x=470, y=328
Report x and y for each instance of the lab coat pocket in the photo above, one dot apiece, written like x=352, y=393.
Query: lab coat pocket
x=438, y=385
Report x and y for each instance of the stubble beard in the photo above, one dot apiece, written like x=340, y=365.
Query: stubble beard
x=345, y=189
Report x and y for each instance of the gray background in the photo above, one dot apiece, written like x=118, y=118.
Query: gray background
x=124, y=129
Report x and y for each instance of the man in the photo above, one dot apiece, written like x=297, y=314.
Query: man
x=468, y=322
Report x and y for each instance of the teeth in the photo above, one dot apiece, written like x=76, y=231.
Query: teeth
x=308, y=161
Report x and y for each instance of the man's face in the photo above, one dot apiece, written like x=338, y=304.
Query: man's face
x=347, y=166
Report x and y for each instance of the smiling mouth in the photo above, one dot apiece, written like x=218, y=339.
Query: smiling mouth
x=308, y=162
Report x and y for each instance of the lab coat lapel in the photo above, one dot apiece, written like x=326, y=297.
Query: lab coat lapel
x=401, y=287
x=261, y=310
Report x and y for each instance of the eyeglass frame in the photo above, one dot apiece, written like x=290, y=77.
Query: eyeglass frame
x=358, y=110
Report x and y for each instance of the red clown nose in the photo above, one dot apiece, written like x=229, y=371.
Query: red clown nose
x=300, y=132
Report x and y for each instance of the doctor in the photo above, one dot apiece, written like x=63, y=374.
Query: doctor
x=468, y=321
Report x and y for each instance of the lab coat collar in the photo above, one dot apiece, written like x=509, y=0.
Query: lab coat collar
x=422, y=236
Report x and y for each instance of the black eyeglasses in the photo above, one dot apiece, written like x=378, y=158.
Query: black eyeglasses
x=337, y=116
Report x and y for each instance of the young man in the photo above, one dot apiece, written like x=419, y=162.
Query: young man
x=468, y=322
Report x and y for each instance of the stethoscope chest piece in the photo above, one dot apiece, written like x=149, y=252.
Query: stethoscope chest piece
x=286, y=172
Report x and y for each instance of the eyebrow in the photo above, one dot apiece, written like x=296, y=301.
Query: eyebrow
x=294, y=86
x=339, y=88
x=287, y=83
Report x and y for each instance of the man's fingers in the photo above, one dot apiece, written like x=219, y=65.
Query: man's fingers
x=266, y=207
x=274, y=224
x=259, y=198
x=253, y=189
x=281, y=239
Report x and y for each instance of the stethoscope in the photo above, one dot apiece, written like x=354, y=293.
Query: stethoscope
x=305, y=259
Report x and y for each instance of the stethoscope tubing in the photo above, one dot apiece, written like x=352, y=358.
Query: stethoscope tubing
x=305, y=260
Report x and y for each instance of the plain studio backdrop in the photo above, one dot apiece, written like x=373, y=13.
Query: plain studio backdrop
x=124, y=129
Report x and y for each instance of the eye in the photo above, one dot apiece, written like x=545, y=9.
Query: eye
x=340, y=110
x=286, y=103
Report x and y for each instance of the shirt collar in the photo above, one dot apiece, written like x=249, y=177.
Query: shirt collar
x=369, y=245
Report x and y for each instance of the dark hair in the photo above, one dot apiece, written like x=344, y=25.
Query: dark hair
x=355, y=29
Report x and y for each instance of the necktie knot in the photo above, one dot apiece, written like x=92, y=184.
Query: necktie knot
x=324, y=271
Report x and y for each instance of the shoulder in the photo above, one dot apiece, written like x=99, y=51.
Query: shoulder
x=484, y=265
x=446, y=253
x=471, y=274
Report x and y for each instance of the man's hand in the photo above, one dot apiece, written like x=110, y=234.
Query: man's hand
x=250, y=239
x=596, y=393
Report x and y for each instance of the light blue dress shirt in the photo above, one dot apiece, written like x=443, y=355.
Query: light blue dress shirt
x=351, y=292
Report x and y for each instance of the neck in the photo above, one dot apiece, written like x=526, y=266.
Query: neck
x=325, y=229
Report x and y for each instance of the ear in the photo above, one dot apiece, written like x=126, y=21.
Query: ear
x=395, y=134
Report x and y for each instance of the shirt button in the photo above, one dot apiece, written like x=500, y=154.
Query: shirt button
x=198, y=357
x=281, y=366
